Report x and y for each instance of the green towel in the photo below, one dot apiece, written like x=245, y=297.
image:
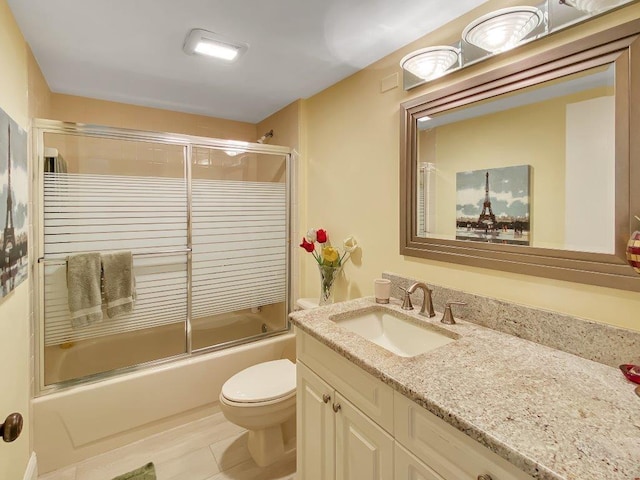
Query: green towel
x=118, y=282
x=148, y=472
x=83, y=284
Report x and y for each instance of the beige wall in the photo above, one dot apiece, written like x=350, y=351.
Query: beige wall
x=14, y=308
x=39, y=93
x=287, y=131
x=70, y=108
x=352, y=157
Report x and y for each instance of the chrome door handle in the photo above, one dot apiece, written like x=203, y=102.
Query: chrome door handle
x=11, y=428
x=326, y=397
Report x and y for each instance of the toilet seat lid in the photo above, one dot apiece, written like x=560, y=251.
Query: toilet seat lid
x=262, y=382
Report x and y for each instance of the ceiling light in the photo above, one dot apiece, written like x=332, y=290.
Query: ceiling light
x=503, y=29
x=594, y=6
x=211, y=44
x=431, y=62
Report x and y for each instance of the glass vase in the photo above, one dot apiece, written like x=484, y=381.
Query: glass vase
x=328, y=276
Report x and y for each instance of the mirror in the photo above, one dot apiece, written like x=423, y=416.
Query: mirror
x=523, y=167
x=528, y=168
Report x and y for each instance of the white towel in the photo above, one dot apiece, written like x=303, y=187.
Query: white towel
x=119, y=282
x=83, y=285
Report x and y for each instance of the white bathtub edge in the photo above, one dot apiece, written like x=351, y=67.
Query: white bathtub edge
x=31, y=472
x=74, y=424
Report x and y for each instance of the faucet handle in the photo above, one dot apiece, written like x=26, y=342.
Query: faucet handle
x=447, y=318
x=406, y=301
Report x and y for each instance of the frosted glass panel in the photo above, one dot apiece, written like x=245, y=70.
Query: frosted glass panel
x=239, y=245
x=103, y=195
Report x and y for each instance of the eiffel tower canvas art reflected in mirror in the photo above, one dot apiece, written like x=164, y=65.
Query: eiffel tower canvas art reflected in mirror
x=492, y=205
x=14, y=204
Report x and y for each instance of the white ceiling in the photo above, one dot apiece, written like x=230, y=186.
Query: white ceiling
x=131, y=50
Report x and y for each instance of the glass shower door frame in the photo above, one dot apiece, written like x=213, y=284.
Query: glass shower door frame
x=188, y=142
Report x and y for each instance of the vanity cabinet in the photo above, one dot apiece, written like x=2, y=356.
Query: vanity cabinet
x=445, y=449
x=352, y=426
x=337, y=441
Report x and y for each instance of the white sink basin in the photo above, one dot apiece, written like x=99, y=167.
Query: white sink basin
x=393, y=332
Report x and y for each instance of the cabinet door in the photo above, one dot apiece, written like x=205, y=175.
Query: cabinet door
x=364, y=451
x=315, y=427
x=408, y=467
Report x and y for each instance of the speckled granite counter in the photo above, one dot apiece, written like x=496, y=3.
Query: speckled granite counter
x=552, y=414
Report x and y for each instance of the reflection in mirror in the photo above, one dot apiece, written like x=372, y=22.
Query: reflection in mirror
x=532, y=167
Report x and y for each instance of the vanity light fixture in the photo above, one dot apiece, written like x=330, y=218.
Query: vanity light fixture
x=594, y=6
x=503, y=29
x=500, y=31
x=203, y=42
x=431, y=62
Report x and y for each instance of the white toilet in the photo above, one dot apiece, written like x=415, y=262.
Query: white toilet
x=306, y=303
x=262, y=399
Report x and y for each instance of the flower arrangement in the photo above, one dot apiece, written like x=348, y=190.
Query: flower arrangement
x=327, y=255
x=329, y=259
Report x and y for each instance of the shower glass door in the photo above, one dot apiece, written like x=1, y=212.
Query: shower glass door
x=103, y=194
x=206, y=221
x=239, y=241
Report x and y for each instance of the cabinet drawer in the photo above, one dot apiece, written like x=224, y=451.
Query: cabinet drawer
x=365, y=391
x=448, y=451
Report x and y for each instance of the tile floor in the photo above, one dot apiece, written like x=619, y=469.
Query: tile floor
x=208, y=449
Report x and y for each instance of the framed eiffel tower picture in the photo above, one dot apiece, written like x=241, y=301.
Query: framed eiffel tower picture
x=14, y=205
x=492, y=205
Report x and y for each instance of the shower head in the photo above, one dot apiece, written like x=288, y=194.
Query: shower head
x=264, y=137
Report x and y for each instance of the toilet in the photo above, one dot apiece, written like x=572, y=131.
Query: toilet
x=262, y=399
x=306, y=303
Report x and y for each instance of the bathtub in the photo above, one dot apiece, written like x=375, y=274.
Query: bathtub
x=96, y=355
x=79, y=422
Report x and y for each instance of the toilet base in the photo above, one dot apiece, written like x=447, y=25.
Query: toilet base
x=269, y=445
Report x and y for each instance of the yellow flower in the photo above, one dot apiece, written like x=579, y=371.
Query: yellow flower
x=330, y=255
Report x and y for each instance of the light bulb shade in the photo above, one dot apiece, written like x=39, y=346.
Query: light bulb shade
x=594, y=6
x=503, y=29
x=431, y=62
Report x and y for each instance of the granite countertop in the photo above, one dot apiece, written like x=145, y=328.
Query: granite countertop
x=552, y=414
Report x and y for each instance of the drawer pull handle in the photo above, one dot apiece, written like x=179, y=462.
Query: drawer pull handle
x=326, y=397
x=337, y=407
x=484, y=476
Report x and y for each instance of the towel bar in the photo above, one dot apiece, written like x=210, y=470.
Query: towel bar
x=139, y=254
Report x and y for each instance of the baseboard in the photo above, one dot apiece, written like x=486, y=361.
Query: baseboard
x=31, y=473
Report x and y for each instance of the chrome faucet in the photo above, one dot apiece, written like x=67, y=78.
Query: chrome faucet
x=427, y=304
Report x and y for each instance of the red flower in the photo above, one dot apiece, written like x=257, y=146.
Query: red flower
x=321, y=235
x=309, y=247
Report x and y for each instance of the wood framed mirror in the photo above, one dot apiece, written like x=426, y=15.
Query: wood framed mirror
x=531, y=168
